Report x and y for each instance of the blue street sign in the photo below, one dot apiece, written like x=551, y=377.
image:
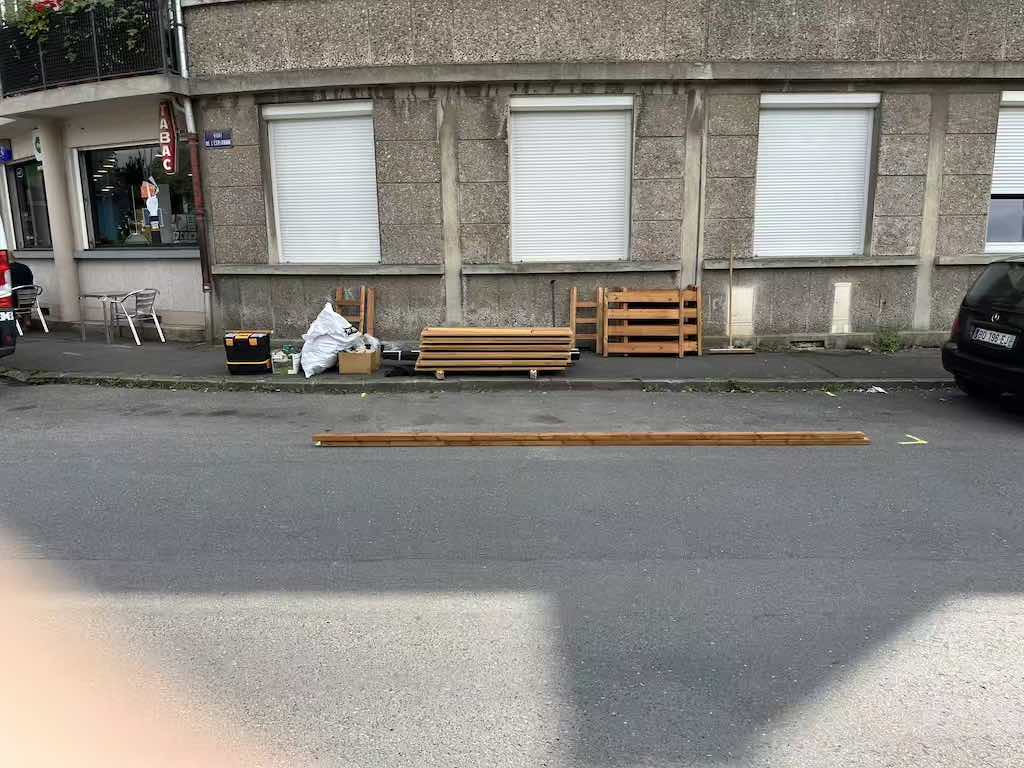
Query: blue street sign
x=6, y=154
x=217, y=139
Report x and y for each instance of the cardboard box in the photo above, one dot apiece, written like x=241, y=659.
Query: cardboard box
x=363, y=363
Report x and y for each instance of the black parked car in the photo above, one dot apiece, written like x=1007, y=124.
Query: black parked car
x=985, y=351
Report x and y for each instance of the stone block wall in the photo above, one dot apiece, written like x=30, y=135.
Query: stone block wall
x=798, y=302
x=728, y=210
x=902, y=167
x=233, y=181
x=482, y=157
x=408, y=179
x=288, y=303
x=659, y=161
x=968, y=155
x=518, y=300
x=280, y=35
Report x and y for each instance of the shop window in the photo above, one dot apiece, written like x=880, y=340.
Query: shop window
x=813, y=169
x=324, y=182
x=28, y=205
x=569, y=167
x=130, y=201
x=1006, y=208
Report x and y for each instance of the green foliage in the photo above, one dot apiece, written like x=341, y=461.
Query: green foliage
x=887, y=341
x=33, y=19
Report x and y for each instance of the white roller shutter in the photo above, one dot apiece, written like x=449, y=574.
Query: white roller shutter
x=1008, y=169
x=324, y=185
x=812, y=182
x=570, y=172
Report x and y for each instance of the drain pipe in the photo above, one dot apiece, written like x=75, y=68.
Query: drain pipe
x=197, y=179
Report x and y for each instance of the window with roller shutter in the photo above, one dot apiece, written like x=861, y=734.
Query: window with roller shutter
x=324, y=182
x=1006, y=207
x=813, y=174
x=569, y=168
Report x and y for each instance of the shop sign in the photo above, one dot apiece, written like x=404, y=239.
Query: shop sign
x=37, y=146
x=6, y=151
x=168, y=139
x=218, y=139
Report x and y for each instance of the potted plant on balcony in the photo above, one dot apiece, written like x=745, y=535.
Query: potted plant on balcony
x=129, y=18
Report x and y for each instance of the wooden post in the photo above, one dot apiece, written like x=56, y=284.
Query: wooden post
x=700, y=321
x=604, y=324
x=572, y=313
x=682, y=322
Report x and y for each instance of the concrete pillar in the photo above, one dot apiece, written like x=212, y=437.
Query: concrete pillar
x=930, y=217
x=59, y=192
x=453, y=314
x=693, y=182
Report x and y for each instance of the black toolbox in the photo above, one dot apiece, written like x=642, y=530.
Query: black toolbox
x=248, y=351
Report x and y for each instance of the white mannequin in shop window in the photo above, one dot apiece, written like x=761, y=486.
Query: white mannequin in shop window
x=150, y=191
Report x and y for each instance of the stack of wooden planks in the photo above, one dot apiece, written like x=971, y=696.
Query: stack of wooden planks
x=628, y=439
x=652, y=322
x=494, y=350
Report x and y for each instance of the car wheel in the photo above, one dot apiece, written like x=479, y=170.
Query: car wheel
x=972, y=388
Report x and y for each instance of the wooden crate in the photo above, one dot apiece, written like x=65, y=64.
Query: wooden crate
x=357, y=307
x=652, y=322
x=588, y=315
x=494, y=350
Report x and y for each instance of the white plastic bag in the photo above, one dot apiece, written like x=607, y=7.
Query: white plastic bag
x=329, y=334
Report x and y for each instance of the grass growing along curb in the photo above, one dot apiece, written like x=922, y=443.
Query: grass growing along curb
x=887, y=341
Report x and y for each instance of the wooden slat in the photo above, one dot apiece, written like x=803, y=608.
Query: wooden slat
x=504, y=355
x=643, y=347
x=448, y=362
x=434, y=348
x=586, y=305
x=642, y=314
x=510, y=341
x=669, y=296
x=620, y=439
x=670, y=330
x=522, y=332
x=586, y=336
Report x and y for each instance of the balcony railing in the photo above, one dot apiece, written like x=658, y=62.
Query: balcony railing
x=133, y=37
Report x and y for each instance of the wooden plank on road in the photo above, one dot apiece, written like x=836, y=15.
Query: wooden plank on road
x=620, y=439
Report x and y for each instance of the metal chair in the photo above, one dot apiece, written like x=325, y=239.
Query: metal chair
x=26, y=298
x=144, y=309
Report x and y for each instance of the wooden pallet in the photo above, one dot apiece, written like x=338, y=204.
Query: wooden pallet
x=652, y=322
x=357, y=307
x=494, y=350
x=591, y=318
x=620, y=439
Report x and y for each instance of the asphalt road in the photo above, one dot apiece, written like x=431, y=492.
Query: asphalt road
x=557, y=607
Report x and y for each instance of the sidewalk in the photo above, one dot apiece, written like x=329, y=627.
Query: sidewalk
x=62, y=358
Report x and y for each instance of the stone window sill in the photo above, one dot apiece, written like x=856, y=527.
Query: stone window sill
x=328, y=269
x=568, y=267
x=111, y=254
x=812, y=262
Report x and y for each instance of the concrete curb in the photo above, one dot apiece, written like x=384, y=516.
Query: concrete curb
x=408, y=384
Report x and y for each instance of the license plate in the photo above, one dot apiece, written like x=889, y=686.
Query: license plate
x=994, y=337
x=6, y=316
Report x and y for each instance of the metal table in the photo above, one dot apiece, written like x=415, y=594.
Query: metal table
x=105, y=298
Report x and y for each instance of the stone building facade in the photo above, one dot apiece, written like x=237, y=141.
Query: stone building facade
x=440, y=75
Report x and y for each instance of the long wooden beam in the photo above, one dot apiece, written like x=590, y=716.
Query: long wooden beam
x=623, y=439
